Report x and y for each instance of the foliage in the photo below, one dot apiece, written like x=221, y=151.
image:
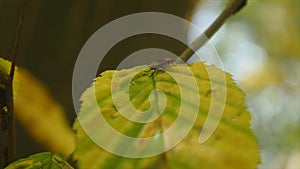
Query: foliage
x=218, y=152
x=41, y=116
x=225, y=149
x=44, y=160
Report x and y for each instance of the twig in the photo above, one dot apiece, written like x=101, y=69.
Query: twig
x=9, y=89
x=17, y=40
x=231, y=8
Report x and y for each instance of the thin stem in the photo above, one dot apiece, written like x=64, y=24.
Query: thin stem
x=17, y=40
x=231, y=8
x=9, y=89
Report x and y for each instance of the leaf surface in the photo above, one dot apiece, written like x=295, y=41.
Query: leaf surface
x=45, y=160
x=231, y=146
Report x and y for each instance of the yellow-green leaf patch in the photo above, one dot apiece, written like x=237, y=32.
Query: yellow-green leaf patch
x=45, y=160
x=232, y=145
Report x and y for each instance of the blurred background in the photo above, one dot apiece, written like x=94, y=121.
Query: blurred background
x=259, y=46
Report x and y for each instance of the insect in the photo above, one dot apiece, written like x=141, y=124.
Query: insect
x=162, y=63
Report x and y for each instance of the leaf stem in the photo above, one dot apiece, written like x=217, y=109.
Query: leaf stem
x=231, y=8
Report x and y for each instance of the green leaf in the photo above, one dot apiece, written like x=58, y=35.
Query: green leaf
x=232, y=145
x=45, y=160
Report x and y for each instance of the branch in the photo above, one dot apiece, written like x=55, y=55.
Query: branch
x=17, y=41
x=8, y=129
x=231, y=8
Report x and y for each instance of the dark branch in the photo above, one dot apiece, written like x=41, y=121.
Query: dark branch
x=17, y=41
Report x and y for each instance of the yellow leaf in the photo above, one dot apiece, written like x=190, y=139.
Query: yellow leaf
x=39, y=113
x=232, y=145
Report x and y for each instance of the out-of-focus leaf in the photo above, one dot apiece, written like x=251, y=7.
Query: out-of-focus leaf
x=276, y=24
x=39, y=113
x=263, y=77
x=44, y=160
x=232, y=145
